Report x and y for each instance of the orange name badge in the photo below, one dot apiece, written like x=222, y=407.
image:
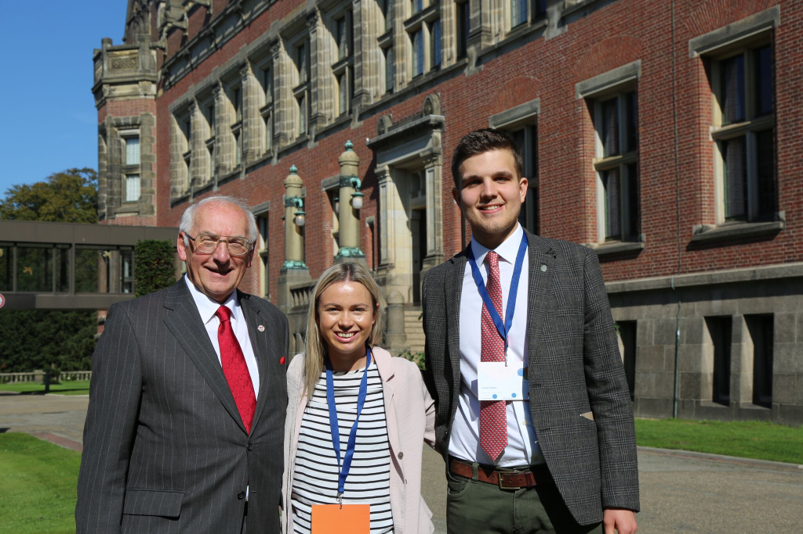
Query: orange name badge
x=334, y=519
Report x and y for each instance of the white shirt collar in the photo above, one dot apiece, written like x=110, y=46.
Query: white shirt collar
x=507, y=250
x=208, y=307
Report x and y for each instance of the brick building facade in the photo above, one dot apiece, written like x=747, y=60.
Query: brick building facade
x=660, y=134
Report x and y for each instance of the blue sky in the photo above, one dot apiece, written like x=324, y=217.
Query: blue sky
x=49, y=120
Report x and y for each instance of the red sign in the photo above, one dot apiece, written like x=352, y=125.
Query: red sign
x=2, y=300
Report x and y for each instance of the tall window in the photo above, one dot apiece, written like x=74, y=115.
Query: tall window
x=266, y=79
x=518, y=12
x=387, y=11
x=301, y=91
x=435, y=44
x=237, y=125
x=131, y=163
x=418, y=52
x=390, y=69
x=616, y=124
x=527, y=141
x=131, y=187
x=744, y=132
x=539, y=9
x=132, y=150
x=463, y=21
x=343, y=68
x=209, y=115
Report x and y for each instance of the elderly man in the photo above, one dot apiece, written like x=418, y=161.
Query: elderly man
x=188, y=396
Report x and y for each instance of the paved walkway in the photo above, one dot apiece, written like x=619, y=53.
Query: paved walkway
x=679, y=493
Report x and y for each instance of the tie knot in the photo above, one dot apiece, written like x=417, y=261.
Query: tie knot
x=223, y=313
x=493, y=259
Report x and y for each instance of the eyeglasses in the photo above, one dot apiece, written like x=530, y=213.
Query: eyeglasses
x=207, y=244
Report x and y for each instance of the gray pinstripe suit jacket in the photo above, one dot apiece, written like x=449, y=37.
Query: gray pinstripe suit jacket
x=574, y=368
x=165, y=449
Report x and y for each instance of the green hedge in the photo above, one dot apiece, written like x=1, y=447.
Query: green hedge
x=154, y=266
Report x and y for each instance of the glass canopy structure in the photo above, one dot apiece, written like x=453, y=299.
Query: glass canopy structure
x=70, y=266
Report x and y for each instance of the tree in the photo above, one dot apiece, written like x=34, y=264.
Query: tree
x=35, y=339
x=69, y=196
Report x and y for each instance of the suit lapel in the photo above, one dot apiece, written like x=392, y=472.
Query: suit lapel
x=184, y=322
x=541, y=271
x=264, y=350
x=454, y=289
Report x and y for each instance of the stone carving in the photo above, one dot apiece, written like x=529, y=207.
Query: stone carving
x=98, y=70
x=123, y=63
x=432, y=105
x=383, y=124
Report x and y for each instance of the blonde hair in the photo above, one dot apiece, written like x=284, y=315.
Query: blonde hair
x=315, y=347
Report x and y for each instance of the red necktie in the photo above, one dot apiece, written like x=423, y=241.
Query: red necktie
x=493, y=414
x=235, y=369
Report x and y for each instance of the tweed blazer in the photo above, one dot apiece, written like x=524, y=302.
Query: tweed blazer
x=165, y=449
x=410, y=416
x=579, y=401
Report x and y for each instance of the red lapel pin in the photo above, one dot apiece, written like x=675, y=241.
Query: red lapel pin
x=281, y=361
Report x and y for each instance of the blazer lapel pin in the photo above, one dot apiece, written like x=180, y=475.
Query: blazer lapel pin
x=261, y=328
x=281, y=361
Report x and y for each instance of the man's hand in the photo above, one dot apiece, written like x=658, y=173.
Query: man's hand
x=621, y=520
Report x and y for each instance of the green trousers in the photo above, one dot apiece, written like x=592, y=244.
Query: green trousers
x=474, y=507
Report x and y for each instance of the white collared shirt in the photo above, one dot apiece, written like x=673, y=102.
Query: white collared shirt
x=522, y=447
x=208, y=309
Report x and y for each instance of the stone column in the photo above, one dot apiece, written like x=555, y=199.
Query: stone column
x=294, y=269
x=395, y=338
x=387, y=206
x=282, y=92
x=319, y=102
x=250, y=116
x=366, y=53
x=349, y=217
x=197, y=171
x=434, y=245
x=223, y=148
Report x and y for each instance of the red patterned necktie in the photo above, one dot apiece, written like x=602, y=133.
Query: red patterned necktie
x=493, y=414
x=235, y=369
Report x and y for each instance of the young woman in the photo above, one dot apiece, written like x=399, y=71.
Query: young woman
x=344, y=376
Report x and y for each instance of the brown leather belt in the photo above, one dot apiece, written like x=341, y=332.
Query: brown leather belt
x=505, y=479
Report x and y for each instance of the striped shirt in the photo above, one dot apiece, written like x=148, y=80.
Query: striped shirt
x=316, y=469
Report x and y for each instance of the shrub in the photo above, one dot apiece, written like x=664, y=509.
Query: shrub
x=154, y=266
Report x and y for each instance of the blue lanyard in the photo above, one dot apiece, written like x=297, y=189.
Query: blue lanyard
x=345, y=467
x=502, y=328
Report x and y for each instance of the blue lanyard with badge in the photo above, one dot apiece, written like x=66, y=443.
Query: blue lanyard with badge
x=336, y=518
x=497, y=381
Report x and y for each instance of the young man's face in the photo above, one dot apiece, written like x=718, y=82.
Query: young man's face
x=491, y=195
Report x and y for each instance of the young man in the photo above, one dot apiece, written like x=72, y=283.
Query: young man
x=553, y=448
x=185, y=424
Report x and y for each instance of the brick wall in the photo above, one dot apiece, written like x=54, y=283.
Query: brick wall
x=674, y=196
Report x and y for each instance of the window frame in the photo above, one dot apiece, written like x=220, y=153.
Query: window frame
x=130, y=170
x=623, y=162
x=748, y=129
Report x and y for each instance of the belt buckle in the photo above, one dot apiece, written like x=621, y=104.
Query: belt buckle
x=502, y=485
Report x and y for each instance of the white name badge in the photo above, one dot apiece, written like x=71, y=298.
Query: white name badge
x=497, y=381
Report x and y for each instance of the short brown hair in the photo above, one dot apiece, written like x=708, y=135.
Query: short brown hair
x=481, y=141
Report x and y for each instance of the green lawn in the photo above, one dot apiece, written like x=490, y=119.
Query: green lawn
x=37, y=486
x=746, y=439
x=78, y=387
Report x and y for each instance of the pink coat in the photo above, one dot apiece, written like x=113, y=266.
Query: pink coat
x=410, y=414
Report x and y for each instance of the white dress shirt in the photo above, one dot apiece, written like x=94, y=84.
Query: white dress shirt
x=522, y=444
x=208, y=310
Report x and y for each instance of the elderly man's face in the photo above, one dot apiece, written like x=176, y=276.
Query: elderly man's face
x=216, y=274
